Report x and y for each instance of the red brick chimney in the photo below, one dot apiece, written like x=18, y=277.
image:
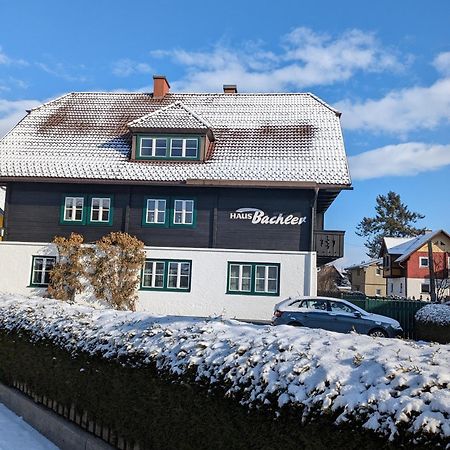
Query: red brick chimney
x=160, y=86
x=230, y=89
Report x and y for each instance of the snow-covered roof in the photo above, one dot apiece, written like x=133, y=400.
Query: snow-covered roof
x=406, y=246
x=174, y=116
x=392, y=242
x=287, y=138
x=370, y=262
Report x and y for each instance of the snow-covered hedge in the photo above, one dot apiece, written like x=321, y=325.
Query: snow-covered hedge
x=388, y=385
x=435, y=314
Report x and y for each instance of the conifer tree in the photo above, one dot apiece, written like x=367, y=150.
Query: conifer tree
x=392, y=219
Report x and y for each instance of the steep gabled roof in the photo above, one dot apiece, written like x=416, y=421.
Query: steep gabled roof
x=392, y=243
x=405, y=247
x=173, y=116
x=285, y=139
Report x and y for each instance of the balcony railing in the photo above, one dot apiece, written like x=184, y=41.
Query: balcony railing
x=329, y=245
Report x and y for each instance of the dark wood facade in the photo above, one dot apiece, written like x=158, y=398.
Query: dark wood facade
x=33, y=215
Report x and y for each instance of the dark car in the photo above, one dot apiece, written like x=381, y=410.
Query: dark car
x=333, y=315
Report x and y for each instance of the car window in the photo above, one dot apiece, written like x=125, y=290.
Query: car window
x=320, y=305
x=341, y=307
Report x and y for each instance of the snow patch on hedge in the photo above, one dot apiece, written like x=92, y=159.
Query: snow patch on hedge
x=435, y=314
x=389, y=385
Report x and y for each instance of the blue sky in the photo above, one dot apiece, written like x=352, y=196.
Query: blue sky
x=384, y=64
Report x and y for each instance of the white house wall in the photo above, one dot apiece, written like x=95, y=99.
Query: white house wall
x=208, y=280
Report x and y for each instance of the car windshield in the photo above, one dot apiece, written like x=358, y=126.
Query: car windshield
x=341, y=307
x=320, y=305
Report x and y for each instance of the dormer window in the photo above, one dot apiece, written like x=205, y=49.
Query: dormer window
x=170, y=147
x=171, y=133
x=153, y=147
x=184, y=148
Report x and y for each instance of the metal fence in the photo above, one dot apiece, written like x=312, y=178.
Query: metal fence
x=401, y=310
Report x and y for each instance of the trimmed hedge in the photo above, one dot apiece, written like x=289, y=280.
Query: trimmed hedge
x=163, y=413
x=433, y=323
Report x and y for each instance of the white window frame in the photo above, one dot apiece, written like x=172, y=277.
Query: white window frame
x=101, y=210
x=421, y=258
x=153, y=273
x=240, y=278
x=266, y=279
x=73, y=209
x=421, y=288
x=156, y=211
x=183, y=211
x=178, y=275
x=183, y=147
x=45, y=269
x=378, y=271
x=153, y=147
x=378, y=292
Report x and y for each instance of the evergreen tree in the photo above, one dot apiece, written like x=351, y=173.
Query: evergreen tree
x=392, y=219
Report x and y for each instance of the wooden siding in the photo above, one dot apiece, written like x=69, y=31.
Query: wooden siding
x=33, y=215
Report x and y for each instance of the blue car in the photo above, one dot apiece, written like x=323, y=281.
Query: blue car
x=333, y=315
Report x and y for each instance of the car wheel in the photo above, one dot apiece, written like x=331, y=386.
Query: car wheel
x=378, y=332
x=295, y=324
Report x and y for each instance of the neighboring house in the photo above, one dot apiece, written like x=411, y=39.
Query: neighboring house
x=331, y=280
x=367, y=278
x=228, y=192
x=406, y=265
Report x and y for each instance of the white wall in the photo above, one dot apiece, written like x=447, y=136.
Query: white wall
x=413, y=289
x=208, y=283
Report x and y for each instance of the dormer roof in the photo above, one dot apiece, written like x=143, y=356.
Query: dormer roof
x=175, y=116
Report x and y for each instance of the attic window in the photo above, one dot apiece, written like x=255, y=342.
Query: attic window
x=153, y=147
x=167, y=147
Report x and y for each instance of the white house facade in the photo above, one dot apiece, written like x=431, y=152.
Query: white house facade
x=227, y=191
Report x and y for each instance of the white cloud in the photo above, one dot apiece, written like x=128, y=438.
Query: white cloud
x=60, y=70
x=442, y=63
x=13, y=111
x=7, y=60
x=400, y=111
x=126, y=67
x=405, y=159
x=305, y=59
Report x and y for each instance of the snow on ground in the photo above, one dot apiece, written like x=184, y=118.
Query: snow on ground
x=15, y=434
x=434, y=313
x=385, y=384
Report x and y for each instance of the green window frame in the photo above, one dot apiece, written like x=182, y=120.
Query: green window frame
x=253, y=278
x=166, y=275
x=73, y=209
x=156, y=212
x=180, y=212
x=168, y=147
x=41, y=267
x=100, y=210
x=183, y=212
x=83, y=209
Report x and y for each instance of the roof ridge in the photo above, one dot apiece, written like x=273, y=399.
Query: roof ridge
x=336, y=111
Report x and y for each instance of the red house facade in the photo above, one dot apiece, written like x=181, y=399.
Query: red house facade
x=407, y=266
